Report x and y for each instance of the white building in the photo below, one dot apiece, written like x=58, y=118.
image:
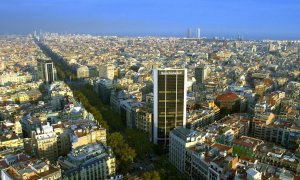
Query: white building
x=180, y=139
x=92, y=161
x=198, y=159
x=253, y=174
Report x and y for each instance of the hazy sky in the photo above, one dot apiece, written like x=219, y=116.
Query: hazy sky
x=273, y=19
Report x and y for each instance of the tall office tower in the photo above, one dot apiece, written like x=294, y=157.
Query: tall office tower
x=107, y=71
x=198, y=33
x=298, y=54
x=239, y=37
x=169, y=102
x=189, y=33
x=46, y=70
x=201, y=72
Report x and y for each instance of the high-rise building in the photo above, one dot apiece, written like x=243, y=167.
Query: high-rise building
x=198, y=35
x=189, y=33
x=106, y=71
x=169, y=102
x=298, y=54
x=239, y=37
x=201, y=73
x=46, y=70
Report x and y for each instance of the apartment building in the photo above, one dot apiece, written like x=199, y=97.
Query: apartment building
x=93, y=161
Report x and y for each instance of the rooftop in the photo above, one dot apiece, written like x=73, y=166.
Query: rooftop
x=229, y=96
x=248, y=142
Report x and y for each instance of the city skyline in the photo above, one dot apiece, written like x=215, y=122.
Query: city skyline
x=250, y=19
x=149, y=90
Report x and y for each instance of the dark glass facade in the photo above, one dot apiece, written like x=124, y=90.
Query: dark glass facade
x=46, y=70
x=199, y=74
x=50, y=73
x=170, y=102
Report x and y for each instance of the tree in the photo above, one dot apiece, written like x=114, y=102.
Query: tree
x=115, y=140
x=147, y=175
x=139, y=141
x=166, y=169
x=153, y=175
x=124, y=153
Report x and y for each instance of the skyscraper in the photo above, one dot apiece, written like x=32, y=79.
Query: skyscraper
x=46, y=70
x=201, y=73
x=298, y=54
x=169, y=102
x=198, y=35
x=189, y=33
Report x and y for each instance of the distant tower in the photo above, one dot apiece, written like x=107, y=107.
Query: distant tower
x=298, y=53
x=46, y=70
x=189, y=33
x=253, y=49
x=198, y=36
x=239, y=37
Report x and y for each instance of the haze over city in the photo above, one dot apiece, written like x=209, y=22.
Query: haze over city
x=252, y=19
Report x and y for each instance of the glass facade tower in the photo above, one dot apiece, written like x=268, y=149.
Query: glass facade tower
x=169, y=102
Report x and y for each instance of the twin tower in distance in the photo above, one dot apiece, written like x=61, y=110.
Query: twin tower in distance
x=190, y=34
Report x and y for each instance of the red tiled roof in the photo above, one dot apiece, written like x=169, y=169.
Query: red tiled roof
x=230, y=96
x=247, y=142
x=221, y=147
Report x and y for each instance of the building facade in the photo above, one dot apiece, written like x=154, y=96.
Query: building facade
x=82, y=72
x=198, y=159
x=29, y=169
x=107, y=71
x=169, y=102
x=93, y=161
x=46, y=70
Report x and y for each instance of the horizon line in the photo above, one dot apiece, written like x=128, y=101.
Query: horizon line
x=211, y=37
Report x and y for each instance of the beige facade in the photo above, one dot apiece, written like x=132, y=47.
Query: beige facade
x=143, y=120
x=50, y=143
x=106, y=71
x=85, y=137
x=14, y=78
x=23, y=97
x=82, y=72
x=31, y=169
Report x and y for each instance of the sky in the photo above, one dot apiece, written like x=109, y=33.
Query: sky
x=252, y=19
